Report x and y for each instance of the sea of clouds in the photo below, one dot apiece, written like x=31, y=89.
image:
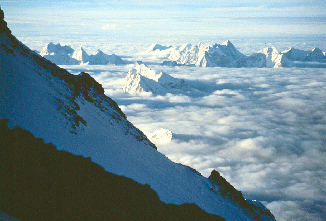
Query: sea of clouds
x=262, y=129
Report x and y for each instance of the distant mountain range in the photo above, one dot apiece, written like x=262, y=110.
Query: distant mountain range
x=46, y=104
x=65, y=55
x=226, y=55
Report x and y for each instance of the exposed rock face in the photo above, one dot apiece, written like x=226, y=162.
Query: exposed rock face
x=228, y=191
x=316, y=55
x=3, y=24
x=41, y=183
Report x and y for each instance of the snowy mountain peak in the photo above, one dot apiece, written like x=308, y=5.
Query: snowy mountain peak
x=80, y=55
x=65, y=55
x=200, y=55
x=158, y=47
x=227, y=43
x=141, y=78
x=51, y=49
x=98, y=52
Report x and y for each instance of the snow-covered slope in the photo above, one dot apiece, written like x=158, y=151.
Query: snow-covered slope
x=226, y=55
x=220, y=55
x=65, y=55
x=188, y=54
x=143, y=79
x=73, y=113
x=80, y=55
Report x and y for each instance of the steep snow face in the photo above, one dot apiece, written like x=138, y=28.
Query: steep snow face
x=143, y=79
x=202, y=56
x=73, y=113
x=272, y=57
x=275, y=59
x=80, y=55
x=188, y=54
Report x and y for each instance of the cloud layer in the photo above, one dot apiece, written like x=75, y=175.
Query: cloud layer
x=263, y=130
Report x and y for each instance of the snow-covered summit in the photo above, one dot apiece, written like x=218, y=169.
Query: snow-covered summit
x=52, y=48
x=65, y=55
x=100, y=58
x=206, y=56
x=59, y=54
x=295, y=54
x=272, y=57
x=141, y=78
x=227, y=55
x=80, y=55
x=188, y=54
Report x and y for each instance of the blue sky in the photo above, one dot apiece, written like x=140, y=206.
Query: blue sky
x=251, y=8
x=159, y=21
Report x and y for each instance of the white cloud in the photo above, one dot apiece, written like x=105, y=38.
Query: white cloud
x=262, y=129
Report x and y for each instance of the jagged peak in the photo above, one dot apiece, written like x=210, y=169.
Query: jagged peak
x=98, y=51
x=317, y=50
x=3, y=24
x=52, y=44
x=80, y=49
x=2, y=14
x=158, y=47
x=227, y=43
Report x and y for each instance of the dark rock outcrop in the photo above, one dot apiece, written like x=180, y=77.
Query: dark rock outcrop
x=228, y=191
x=3, y=24
x=41, y=183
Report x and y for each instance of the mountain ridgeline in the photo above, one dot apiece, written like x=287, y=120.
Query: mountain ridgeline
x=226, y=55
x=91, y=139
x=41, y=183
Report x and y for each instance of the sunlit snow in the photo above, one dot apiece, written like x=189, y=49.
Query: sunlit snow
x=261, y=128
